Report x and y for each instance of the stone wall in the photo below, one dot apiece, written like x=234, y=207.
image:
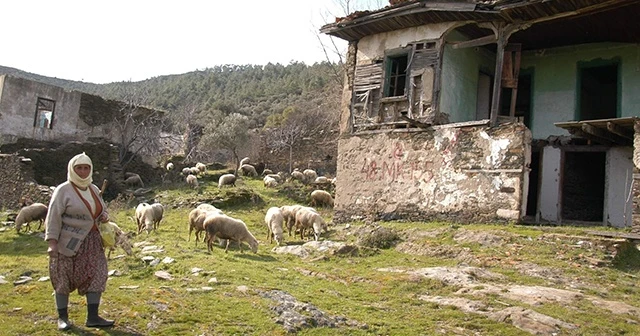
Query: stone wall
x=461, y=174
x=17, y=182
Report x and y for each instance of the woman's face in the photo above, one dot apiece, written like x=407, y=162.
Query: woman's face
x=83, y=170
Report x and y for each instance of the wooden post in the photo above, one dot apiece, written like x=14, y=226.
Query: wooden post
x=497, y=76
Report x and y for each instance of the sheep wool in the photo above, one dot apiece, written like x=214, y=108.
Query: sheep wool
x=274, y=221
x=225, y=227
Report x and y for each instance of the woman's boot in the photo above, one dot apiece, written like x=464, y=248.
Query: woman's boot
x=93, y=319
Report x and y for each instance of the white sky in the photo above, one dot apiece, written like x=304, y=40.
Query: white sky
x=121, y=40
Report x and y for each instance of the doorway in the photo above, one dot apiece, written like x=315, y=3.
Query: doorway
x=583, y=185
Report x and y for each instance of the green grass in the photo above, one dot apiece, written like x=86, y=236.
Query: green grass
x=340, y=285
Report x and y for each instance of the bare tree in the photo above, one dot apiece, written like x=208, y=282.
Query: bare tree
x=226, y=132
x=138, y=128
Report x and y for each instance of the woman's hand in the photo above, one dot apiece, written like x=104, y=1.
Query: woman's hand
x=53, y=248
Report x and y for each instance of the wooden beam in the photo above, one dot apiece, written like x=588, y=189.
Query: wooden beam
x=600, y=133
x=497, y=76
x=582, y=134
x=475, y=43
x=615, y=129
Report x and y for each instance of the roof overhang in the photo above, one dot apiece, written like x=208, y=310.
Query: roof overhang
x=608, y=132
x=551, y=22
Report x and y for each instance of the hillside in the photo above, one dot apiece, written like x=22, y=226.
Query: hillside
x=257, y=92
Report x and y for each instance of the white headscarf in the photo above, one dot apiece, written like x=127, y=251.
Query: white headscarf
x=71, y=174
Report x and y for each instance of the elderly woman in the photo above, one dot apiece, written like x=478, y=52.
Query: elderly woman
x=76, y=254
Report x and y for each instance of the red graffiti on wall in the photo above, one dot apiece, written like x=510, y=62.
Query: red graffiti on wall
x=396, y=168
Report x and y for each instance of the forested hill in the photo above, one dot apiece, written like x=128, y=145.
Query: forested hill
x=252, y=90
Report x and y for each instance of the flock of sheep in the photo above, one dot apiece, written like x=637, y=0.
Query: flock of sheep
x=211, y=220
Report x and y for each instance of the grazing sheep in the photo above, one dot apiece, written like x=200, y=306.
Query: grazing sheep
x=201, y=167
x=248, y=170
x=310, y=175
x=274, y=221
x=158, y=214
x=297, y=175
x=186, y=171
x=170, y=166
x=146, y=217
x=122, y=240
x=270, y=182
x=194, y=171
x=134, y=181
x=197, y=217
x=278, y=177
x=225, y=227
x=289, y=214
x=30, y=213
x=321, y=180
x=227, y=180
x=310, y=219
x=321, y=198
x=244, y=161
x=266, y=172
x=192, y=181
x=333, y=181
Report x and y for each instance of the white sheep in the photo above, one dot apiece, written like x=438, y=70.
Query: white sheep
x=333, y=181
x=144, y=217
x=248, y=170
x=30, y=213
x=197, y=217
x=321, y=180
x=225, y=227
x=170, y=166
x=310, y=175
x=134, y=180
x=227, y=180
x=186, y=171
x=274, y=221
x=309, y=219
x=158, y=214
x=270, y=182
x=321, y=198
x=289, y=214
x=194, y=170
x=192, y=181
x=244, y=161
x=278, y=177
x=297, y=175
x=266, y=172
x=201, y=167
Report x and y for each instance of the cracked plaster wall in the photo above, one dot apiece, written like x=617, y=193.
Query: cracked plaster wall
x=460, y=174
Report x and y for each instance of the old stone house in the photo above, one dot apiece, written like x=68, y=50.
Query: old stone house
x=43, y=126
x=484, y=110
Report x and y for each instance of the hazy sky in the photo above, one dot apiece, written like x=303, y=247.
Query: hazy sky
x=121, y=40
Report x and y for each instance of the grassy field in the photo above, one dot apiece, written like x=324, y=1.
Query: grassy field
x=351, y=288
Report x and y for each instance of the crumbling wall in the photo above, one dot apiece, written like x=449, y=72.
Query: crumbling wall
x=461, y=174
x=17, y=182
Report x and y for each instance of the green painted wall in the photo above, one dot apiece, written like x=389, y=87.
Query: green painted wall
x=555, y=79
x=459, y=82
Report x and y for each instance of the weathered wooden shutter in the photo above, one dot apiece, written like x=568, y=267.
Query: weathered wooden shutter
x=422, y=78
x=366, y=89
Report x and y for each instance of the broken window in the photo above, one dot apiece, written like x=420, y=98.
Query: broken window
x=44, y=113
x=404, y=83
x=396, y=78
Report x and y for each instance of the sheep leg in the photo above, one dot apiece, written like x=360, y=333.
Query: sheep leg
x=227, y=246
x=40, y=224
x=269, y=235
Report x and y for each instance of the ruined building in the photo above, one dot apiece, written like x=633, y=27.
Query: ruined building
x=492, y=110
x=42, y=126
